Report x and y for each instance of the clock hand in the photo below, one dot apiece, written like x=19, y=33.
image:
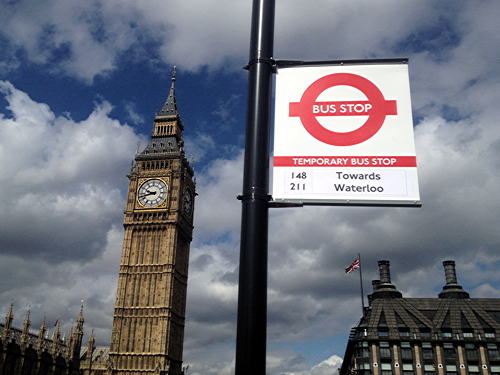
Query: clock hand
x=148, y=193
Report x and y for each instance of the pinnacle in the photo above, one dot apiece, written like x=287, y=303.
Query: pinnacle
x=169, y=109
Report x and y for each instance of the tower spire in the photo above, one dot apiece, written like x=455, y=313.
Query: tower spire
x=167, y=129
x=9, y=317
x=27, y=322
x=80, y=320
x=169, y=109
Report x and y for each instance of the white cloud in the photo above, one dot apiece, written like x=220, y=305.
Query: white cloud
x=61, y=184
x=131, y=112
x=199, y=146
x=88, y=39
x=60, y=178
x=217, y=210
x=327, y=367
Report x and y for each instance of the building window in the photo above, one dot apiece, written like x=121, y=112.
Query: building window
x=451, y=370
x=450, y=355
x=446, y=334
x=473, y=368
x=403, y=332
x=495, y=369
x=408, y=369
x=468, y=334
x=362, y=332
x=364, y=369
x=362, y=350
x=386, y=368
x=406, y=352
x=383, y=332
x=493, y=353
x=471, y=352
x=489, y=334
x=427, y=352
x=425, y=332
x=385, y=350
x=429, y=370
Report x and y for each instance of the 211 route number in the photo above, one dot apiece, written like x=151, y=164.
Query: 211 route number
x=298, y=181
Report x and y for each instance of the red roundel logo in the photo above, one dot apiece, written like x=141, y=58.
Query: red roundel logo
x=376, y=108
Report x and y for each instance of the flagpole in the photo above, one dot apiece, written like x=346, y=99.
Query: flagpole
x=361, y=285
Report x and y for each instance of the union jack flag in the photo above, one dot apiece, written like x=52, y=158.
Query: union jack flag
x=353, y=266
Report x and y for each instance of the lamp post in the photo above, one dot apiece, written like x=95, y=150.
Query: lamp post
x=252, y=292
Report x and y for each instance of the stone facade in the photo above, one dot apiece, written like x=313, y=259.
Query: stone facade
x=148, y=326
x=94, y=360
x=449, y=335
x=25, y=353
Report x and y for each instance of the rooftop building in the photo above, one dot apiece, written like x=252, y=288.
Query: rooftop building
x=452, y=334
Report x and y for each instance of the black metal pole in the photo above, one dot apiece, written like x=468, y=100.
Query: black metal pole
x=361, y=286
x=252, y=291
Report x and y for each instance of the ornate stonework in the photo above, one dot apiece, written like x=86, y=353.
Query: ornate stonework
x=148, y=325
x=25, y=353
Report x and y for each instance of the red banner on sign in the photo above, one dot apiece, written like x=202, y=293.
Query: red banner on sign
x=341, y=108
x=345, y=161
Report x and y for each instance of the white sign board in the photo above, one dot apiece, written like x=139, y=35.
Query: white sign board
x=344, y=135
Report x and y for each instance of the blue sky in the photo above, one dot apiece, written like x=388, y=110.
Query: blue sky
x=80, y=83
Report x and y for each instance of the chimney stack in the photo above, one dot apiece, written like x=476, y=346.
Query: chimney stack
x=383, y=288
x=452, y=289
x=384, y=271
x=449, y=272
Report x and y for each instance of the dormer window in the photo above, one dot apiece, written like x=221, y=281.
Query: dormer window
x=446, y=333
x=489, y=334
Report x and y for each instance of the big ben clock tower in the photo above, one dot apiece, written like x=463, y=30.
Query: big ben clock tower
x=148, y=324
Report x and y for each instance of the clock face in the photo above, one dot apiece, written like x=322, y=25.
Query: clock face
x=187, y=202
x=152, y=193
